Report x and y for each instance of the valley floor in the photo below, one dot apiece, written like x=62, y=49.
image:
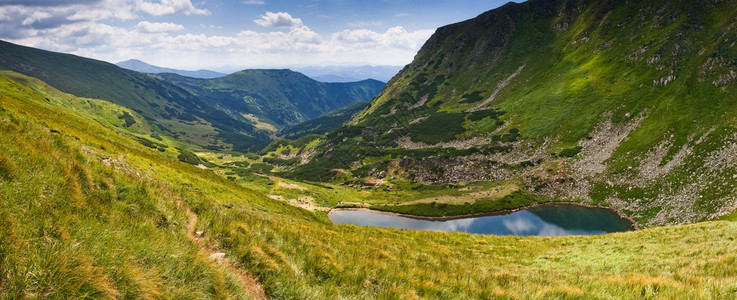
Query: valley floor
x=86, y=212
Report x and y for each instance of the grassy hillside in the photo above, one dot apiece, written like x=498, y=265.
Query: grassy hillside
x=277, y=97
x=108, y=114
x=170, y=109
x=627, y=104
x=88, y=213
x=323, y=124
x=239, y=112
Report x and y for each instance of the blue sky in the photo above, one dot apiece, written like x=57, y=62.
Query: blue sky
x=232, y=34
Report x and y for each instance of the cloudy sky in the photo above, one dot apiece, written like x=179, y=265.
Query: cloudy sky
x=230, y=34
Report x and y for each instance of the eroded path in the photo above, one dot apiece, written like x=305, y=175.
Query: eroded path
x=247, y=281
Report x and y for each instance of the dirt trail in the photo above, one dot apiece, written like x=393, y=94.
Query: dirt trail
x=499, y=87
x=248, y=282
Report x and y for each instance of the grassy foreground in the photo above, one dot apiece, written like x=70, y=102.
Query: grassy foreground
x=88, y=213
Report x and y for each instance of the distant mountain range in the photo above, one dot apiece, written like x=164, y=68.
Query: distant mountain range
x=349, y=73
x=319, y=73
x=139, y=66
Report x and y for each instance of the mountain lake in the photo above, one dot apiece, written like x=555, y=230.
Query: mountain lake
x=541, y=220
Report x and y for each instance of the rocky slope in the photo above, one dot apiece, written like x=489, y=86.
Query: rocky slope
x=627, y=104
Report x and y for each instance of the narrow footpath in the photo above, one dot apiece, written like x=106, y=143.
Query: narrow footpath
x=247, y=281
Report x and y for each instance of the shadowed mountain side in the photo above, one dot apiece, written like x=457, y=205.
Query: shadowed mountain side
x=277, y=97
x=323, y=124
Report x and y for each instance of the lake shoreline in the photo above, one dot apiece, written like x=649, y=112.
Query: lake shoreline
x=633, y=224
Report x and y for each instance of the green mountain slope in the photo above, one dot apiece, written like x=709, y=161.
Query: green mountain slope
x=628, y=104
x=170, y=108
x=88, y=213
x=110, y=115
x=238, y=112
x=325, y=123
x=277, y=97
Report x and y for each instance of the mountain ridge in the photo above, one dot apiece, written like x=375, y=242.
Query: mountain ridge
x=168, y=107
x=88, y=211
x=174, y=110
x=278, y=96
x=600, y=102
x=348, y=73
x=143, y=67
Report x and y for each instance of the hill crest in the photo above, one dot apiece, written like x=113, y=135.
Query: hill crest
x=143, y=67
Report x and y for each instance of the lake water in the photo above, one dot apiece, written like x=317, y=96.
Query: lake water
x=543, y=220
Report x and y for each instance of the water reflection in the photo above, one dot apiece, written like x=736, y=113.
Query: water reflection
x=546, y=220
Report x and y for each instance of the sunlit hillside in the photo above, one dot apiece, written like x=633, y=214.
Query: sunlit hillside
x=116, y=184
x=88, y=212
x=623, y=104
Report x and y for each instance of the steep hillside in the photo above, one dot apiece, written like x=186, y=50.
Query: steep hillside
x=107, y=114
x=277, y=97
x=325, y=123
x=139, y=66
x=625, y=104
x=168, y=107
x=238, y=112
x=87, y=213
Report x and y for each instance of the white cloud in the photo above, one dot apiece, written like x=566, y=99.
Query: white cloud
x=280, y=19
x=158, y=27
x=167, y=44
x=169, y=7
x=395, y=37
x=519, y=225
x=107, y=9
x=34, y=17
x=22, y=17
x=399, y=37
x=253, y=2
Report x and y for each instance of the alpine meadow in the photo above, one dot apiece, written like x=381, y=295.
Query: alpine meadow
x=173, y=184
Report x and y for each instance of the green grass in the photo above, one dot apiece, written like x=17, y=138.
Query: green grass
x=278, y=97
x=600, y=65
x=437, y=128
x=74, y=227
x=570, y=152
x=88, y=212
x=163, y=105
x=325, y=123
x=438, y=209
x=203, y=113
x=107, y=114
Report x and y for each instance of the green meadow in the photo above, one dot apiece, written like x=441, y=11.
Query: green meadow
x=88, y=212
